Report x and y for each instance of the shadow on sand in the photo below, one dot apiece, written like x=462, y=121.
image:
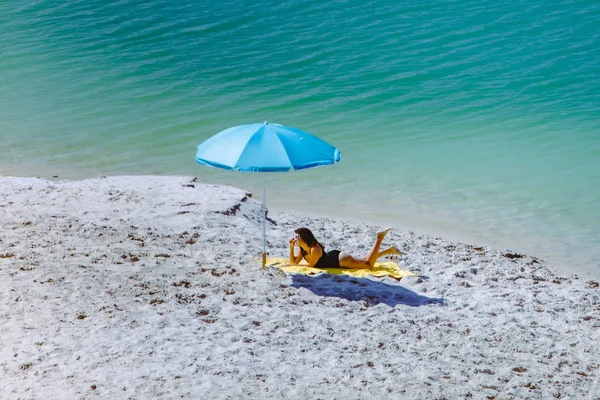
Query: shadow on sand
x=362, y=289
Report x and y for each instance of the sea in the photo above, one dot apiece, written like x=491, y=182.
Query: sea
x=469, y=120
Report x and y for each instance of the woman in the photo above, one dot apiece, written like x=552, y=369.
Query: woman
x=314, y=252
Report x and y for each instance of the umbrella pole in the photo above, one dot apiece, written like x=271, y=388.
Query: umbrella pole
x=264, y=212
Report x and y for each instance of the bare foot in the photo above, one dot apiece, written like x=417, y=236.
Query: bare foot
x=381, y=235
x=394, y=250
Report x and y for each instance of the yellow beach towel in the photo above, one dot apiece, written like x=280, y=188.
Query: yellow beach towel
x=381, y=269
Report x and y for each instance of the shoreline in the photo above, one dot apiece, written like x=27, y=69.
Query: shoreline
x=151, y=286
x=561, y=263
x=584, y=265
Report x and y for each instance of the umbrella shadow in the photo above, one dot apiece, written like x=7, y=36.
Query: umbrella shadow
x=362, y=289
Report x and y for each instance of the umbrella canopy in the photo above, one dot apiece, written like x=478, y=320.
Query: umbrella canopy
x=265, y=148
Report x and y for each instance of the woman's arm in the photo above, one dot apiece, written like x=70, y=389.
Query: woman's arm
x=293, y=259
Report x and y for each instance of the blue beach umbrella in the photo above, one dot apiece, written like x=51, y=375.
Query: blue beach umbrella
x=265, y=148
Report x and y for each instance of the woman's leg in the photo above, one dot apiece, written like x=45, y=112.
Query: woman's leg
x=389, y=251
x=348, y=261
x=373, y=254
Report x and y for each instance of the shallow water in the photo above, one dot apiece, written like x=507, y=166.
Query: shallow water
x=473, y=120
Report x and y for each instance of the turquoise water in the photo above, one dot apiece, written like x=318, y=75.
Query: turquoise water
x=472, y=120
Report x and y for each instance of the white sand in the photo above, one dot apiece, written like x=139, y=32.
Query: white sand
x=137, y=287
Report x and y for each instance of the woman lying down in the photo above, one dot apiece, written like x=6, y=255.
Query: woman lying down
x=316, y=256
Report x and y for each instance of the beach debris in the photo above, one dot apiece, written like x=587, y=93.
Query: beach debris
x=137, y=239
x=485, y=371
x=268, y=219
x=513, y=255
x=25, y=367
x=191, y=240
x=230, y=211
x=235, y=208
x=530, y=386
x=186, y=299
x=132, y=258
x=203, y=312
x=81, y=316
x=114, y=306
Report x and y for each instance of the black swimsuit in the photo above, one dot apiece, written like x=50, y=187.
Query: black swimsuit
x=329, y=259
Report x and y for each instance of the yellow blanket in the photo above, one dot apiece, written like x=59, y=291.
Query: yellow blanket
x=381, y=269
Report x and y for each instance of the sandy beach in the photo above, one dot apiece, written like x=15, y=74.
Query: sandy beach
x=151, y=287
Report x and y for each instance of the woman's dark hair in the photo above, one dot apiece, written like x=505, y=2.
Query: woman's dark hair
x=308, y=237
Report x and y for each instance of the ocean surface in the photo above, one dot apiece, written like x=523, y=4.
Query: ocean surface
x=470, y=120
